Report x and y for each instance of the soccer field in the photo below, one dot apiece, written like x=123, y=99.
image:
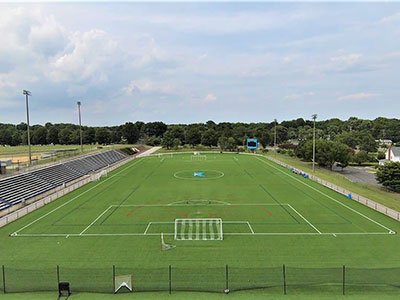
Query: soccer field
x=269, y=217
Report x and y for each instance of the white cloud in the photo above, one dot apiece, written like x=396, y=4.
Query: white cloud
x=148, y=86
x=210, y=98
x=392, y=18
x=296, y=96
x=357, y=96
x=89, y=56
x=347, y=58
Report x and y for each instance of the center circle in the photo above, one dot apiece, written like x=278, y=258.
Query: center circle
x=199, y=174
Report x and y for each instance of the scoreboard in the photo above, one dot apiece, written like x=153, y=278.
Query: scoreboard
x=252, y=144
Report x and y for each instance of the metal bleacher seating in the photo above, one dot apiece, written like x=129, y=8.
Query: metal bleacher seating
x=16, y=189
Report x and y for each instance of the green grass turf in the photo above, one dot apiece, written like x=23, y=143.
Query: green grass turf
x=285, y=211
x=370, y=191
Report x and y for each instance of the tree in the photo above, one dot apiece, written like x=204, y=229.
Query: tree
x=367, y=142
x=16, y=138
x=209, y=138
x=39, y=136
x=193, y=136
x=177, y=143
x=102, y=135
x=64, y=136
x=348, y=138
x=168, y=139
x=52, y=135
x=223, y=143
x=156, y=129
x=75, y=137
x=232, y=146
x=130, y=132
x=389, y=176
x=361, y=157
x=89, y=136
x=343, y=154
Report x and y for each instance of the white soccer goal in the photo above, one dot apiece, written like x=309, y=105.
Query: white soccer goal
x=198, y=157
x=165, y=155
x=123, y=281
x=198, y=229
x=98, y=176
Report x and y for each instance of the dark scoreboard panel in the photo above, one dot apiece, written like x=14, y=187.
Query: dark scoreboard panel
x=252, y=144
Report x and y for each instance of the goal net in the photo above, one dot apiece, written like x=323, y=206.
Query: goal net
x=198, y=157
x=98, y=175
x=165, y=155
x=198, y=229
x=123, y=281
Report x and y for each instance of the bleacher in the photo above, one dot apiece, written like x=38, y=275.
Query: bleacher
x=16, y=189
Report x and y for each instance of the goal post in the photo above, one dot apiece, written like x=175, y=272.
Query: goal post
x=198, y=229
x=123, y=281
x=198, y=157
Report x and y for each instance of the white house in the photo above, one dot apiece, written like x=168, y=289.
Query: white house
x=393, y=154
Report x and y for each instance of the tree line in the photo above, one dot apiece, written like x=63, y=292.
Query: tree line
x=354, y=133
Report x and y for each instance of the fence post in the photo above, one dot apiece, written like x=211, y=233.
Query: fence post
x=58, y=275
x=170, y=279
x=114, y=279
x=344, y=279
x=226, y=278
x=4, y=279
x=284, y=279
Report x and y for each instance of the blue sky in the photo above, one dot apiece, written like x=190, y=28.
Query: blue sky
x=192, y=62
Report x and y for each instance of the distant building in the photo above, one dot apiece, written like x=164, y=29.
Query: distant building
x=392, y=155
x=385, y=142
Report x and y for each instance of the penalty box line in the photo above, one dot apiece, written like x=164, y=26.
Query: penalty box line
x=327, y=196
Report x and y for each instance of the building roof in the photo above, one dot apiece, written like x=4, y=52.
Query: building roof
x=396, y=151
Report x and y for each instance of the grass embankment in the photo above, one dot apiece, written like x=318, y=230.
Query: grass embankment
x=370, y=191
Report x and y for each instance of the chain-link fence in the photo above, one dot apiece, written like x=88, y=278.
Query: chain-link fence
x=217, y=279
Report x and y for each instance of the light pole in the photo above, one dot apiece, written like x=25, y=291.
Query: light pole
x=275, y=120
x=314, y=117
x=80, y=124
x=27, y=94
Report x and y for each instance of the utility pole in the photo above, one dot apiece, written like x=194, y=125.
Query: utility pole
x=275, y=120
x=80, y=124
x=27, y=94
x=314, y=117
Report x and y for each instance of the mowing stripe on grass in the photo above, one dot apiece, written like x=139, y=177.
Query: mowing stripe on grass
x=329, y=197
x=308, y=222
x=83, y=231
x=280, y=204
x=76, y=197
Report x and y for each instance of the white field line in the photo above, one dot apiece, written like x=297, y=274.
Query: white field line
x=308, y=222
x=76, y=197
x=235, y=158
x=251, y=228
x=329, y=197
x=147, y=228
x=232, y=233
x=95, y=220
x=213, y=204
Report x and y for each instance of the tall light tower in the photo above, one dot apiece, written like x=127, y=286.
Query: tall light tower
x=80, y=124
x=314, y=117
x=27, y=94
x=275, y=120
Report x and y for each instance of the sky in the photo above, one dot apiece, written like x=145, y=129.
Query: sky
x=190, y=62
